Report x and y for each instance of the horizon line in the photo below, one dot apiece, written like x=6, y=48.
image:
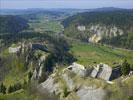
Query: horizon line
x=63, y=8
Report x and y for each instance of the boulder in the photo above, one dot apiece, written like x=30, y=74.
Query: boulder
x=78, y=69
x=105, y=72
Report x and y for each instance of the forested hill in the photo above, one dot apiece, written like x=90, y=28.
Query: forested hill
x=122, y=19
x=12, y=24
x=112, y=27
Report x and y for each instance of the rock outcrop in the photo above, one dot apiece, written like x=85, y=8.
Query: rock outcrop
x=81, y=28
x=72, y=80
x=105, y=72
x=69, y=82
x=91, y=93
x=78, y=69
x=38, y=73
x=49, y=86
x=98, y=32
x=14, y=49
x=102, y=71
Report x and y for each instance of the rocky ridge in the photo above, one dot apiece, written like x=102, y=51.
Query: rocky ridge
x=98, y=32
x=72, y=79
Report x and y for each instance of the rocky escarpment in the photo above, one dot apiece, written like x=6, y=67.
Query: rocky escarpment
x=72, y=80
x=35, y=55
x=113, y=27
x=98, y=32
x=76, y=82
x=70, y=86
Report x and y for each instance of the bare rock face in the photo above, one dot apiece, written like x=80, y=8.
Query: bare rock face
x=35, y=75
x=69, y=82
x=49, y=86
x=81, y=28
x=91, y=93
x=64, y=78
x=102, y=71
x=95, y=38
x=105, y=72
x=78, y=69
x=101, y=31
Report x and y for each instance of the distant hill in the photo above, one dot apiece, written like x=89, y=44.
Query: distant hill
x=65, y=10
x=98, y=25
x=119, y=18
x=12, y=24
x=104, y=9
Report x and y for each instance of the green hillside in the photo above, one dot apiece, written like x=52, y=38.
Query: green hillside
x=122, y=20
x=12, y=24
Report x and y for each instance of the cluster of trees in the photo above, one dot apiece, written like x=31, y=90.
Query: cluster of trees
x=12, y=24
x=12, y=88
x=2, y=88
x=125, y=67
x=123, y=41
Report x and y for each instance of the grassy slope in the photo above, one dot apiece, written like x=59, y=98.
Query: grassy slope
x=87, y=54
x=15, y=68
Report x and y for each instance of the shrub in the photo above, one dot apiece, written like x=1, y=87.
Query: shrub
x=66, y=92
x=125, y=68
x=2, y=88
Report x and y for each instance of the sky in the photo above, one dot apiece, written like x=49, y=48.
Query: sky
x=79, y=4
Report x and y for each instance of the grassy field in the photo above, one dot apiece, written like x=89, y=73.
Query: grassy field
x=87, y=54
x=45, y=24
x=19, y=95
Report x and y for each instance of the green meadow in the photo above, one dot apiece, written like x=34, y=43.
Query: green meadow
x=88, y=54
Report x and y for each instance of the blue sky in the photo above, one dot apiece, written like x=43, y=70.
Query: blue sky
x=82, y=4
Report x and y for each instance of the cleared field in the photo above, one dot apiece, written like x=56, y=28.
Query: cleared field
x=87, y=54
